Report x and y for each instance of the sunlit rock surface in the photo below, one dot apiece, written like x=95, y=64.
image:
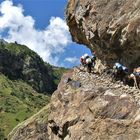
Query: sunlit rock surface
x=86, y=107
x=110, y=27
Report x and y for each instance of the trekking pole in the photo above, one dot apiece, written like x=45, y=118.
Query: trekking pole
x=135, y=82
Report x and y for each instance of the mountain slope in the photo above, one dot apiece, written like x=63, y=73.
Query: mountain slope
x=18, y=101
x=36, y=128
x=26, y=84
x=19, y=62
x=90, y=106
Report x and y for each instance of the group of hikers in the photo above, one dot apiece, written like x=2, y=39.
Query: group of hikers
x=118, y=72
x=88, y=61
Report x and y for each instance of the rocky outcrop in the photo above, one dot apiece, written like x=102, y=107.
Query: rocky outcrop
x=111, y=28
x=88, y=107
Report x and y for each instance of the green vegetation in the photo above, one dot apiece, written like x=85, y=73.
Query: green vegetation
x=18, y=101
x=36, y=121
x=19, y=62
x=17, y=49
x=26, y=83
x=57, y=74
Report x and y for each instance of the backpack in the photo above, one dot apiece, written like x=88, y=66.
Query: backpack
x=85, y=56
x=93, y=58
x=137, y=71
x=88, y=61
x=118, y=66
x=125, y=69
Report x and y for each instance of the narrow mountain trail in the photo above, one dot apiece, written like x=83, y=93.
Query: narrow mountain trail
x=104, y=82
x=95, y=109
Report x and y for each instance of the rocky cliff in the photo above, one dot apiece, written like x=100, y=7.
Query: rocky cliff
x=86, y=107
x=109, y=27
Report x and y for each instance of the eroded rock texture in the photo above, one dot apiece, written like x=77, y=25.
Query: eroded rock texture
x=86, y=107
x=111, y=27
x=95, y=109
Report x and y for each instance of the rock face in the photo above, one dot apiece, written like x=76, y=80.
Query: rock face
x=110, y=27
x=87, y=107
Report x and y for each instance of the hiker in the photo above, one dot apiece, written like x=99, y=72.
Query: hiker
x=82, y=60
x=93, y=58
x=119, y=71
x=89, y=64
x=88, y=61
x=136, y=77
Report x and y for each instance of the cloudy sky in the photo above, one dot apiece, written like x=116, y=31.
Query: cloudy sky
x=40, y=25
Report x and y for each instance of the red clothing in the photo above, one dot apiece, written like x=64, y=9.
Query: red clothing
x=82, y=61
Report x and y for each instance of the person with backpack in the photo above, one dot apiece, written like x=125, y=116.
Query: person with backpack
x=88, y=61
x=82, y=60
x=89, y=64
x=119, y=71
x=136, y=77
x=93, y=59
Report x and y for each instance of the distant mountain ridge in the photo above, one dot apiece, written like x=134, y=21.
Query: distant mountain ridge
x=19, y=62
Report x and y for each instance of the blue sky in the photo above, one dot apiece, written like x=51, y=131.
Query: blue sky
x=40, y=24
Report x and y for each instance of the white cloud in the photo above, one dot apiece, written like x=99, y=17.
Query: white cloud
x=49, y=43
x=73, y=60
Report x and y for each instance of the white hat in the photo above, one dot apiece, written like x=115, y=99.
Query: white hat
x=85, y=55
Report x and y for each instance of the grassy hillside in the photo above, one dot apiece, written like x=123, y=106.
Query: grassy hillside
x=35, y=124
x=26, y=83
x=18, y=101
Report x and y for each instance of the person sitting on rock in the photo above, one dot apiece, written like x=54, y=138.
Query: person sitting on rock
x=119, y=71
x=136, y=77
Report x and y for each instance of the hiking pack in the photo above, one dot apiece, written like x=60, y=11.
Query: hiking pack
x=88, y=61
